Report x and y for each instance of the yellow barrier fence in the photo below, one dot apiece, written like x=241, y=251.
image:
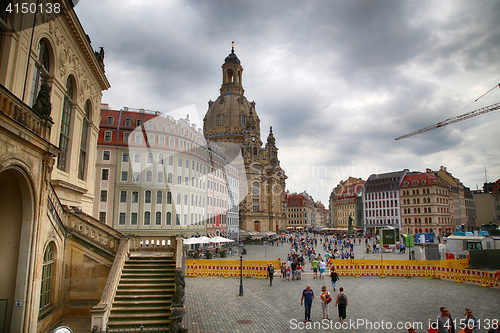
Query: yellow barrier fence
x=440, y=269
x=227, y=268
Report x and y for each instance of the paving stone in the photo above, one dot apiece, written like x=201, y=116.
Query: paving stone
x=213, y=304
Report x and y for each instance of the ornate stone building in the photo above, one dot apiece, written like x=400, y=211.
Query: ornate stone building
x=50, y=93
x=232, y=122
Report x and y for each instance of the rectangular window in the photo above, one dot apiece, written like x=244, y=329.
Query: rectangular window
x=124, y=176
x=159, y=177
x=162, y=141
x=105, y=174
x=185, y=199
x=106, y=155
x=149, y=158
x=121, y=221
x=137, y=157
x=159, y=197
x=133, y=219
x=125, y=157
x=102, y=217
x=136, y=176
x=177, y=219
x=108, y=136
x=151, y=139
x=178, y=199
x=186, y=181
x=158, y=218
x=160, y=158
x=179, y=180
x=185, y=219
x=255, y=205
x=123, y=196
x=126, y=137
x=135, y=197
x=147, y=218
x=147, y=196
x=169, y=219
x=138, y=138
x=104, y=196
x=171, y=143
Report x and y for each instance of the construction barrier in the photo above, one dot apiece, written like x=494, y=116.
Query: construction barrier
x=440, y=269
x=227, y=268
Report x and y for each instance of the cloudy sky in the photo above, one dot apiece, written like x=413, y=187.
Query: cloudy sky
x=337, y=80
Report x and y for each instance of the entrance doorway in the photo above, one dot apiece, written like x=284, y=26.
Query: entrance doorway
x=16, y=212
x=256, y=226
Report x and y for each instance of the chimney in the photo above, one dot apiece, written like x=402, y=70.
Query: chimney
x=141, y=110
x=428, y=170
x=125, y=108
x=104, y=106
x=157, y=113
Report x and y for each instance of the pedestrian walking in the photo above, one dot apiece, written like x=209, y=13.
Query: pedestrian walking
x=306, y=300
x=334, y=276
x=444, y=321
x=283, y=271
x=341, y=303
x=469, y=321
x=314, y=267
x=270, y=273
x=322, y=269
x=325, y=301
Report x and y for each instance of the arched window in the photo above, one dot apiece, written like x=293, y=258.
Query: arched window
x=47, y=274
x=41, y=71
x=256, y=189
x=169, y=218
x=65, y=123
x=243, y=120
x=169, y=197
x=147, y=196
x=83, y=144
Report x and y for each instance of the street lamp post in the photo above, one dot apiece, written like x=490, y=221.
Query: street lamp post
x=241, y=275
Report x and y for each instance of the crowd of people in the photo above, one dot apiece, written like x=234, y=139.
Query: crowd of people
x=302, y=249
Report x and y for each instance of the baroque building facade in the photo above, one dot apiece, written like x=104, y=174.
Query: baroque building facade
x=50, y=92
x=233, y=124
x=157, y=175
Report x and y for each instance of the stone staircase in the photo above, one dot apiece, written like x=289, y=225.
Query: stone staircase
x=144, y=292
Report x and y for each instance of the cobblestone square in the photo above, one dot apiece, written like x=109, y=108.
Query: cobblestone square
x=375, y=304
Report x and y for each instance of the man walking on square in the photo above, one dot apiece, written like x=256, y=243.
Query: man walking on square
x=334, y=276
x=341, y=302
x=306, y=299
x=270, y=272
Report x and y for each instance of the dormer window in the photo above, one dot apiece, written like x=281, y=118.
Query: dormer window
x=110, y=120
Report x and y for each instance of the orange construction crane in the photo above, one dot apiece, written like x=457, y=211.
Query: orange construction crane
x=465, y=116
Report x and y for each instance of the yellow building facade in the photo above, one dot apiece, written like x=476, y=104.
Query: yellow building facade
x=51, y=83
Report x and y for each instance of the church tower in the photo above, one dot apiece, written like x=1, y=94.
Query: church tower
x=232, y=122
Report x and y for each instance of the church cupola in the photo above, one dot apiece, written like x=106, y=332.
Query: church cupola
x=232, y=75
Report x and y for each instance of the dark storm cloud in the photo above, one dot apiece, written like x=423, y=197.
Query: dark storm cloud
x=337, y=80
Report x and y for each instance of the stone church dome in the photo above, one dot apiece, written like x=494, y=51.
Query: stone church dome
x=227, y=117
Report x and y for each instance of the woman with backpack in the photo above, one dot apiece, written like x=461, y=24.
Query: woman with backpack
x=341, y=302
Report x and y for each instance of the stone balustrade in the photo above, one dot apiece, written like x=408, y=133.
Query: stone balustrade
x=96, y=232
x=15, y=109
x=100, y=312
x=153, y=243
